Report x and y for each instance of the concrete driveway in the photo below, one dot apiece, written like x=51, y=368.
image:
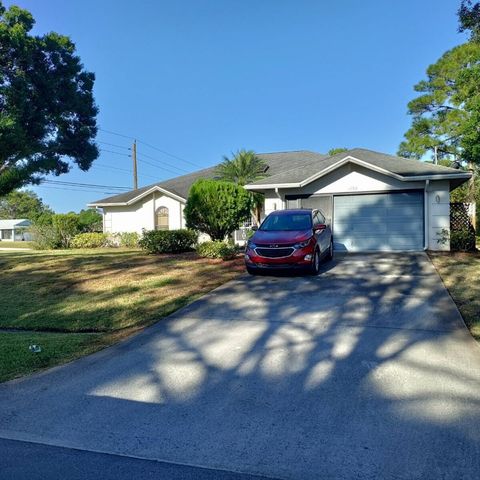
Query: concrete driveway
x=365, y=372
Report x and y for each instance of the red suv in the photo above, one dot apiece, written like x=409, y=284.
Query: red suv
x=290, y=239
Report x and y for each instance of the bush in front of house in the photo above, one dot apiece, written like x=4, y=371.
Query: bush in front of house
x=55, y=231
x=168, y=241
x=216, y=207
x=89, y=240
x=129, y=239
x=216, y=249
x=462, y=240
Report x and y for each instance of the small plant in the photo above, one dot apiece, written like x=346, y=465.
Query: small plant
x=460, y=240
x=89, y=240
x=168, y=241
x=129, y=239
x=216, y=249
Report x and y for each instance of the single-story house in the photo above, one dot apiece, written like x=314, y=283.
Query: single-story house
x=374, y=201
x=14, y=230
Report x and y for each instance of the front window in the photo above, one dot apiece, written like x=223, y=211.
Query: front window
x=291, y=222
x=161, y=218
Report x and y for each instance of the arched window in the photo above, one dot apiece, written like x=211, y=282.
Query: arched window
x=161, y=218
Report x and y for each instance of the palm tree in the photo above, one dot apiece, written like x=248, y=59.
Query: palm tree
x=244, y=167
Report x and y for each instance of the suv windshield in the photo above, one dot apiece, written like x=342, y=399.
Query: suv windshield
x=295, y=221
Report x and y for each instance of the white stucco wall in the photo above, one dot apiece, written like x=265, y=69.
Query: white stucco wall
x=438, y=211
x=141, y=215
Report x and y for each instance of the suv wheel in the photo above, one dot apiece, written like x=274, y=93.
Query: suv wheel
x=315, y=268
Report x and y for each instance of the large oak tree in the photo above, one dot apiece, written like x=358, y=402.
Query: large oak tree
x=47, y=109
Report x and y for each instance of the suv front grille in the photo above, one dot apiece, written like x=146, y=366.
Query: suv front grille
x=276, y=252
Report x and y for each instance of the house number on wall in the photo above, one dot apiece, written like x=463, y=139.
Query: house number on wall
x=353, y=188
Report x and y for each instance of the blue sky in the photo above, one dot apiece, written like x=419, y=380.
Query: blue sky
x=202, y=78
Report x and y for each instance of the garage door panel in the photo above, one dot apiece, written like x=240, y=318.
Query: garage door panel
x=380, y=222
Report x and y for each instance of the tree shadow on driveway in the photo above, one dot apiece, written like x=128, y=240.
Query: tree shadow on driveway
x=365, y=371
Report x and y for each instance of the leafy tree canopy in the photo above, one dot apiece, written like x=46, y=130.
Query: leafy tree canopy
x=90, y=221
x=47, y=109
x=446, y=114
x=244, y=167
x=216, y=207
x=469, y=17
x=334, y=151
x=22, y=204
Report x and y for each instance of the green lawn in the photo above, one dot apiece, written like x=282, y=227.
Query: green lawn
x=460, y=273
x=8, y=244
x=74, y=302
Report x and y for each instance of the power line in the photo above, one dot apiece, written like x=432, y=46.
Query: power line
x=161, y=161
x=157, y=166
x=150, y=146
x=77, y=190
x=108, y=167
x=117, y=153
x=113, y=145
x=87, y=185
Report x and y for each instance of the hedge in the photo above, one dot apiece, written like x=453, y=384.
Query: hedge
x=89, y=240
x=216, y=249
x=168, y=241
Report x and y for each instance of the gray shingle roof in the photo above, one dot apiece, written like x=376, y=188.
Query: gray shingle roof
x=295, y=167
x=180, y=186
x=398, y=165
x=14, y=223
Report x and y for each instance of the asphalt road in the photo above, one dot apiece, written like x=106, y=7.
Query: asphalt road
x=366, y=371
x=32, y=461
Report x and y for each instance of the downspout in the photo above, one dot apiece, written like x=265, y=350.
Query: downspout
x=426, y=220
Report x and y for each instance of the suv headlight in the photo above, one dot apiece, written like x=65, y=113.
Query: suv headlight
x=301, y=244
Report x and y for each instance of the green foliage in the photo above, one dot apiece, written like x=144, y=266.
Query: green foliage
x=217, y=249
x=55, y=231
x=243, y=168
x=446, y=114
x=90, y=220
x=89, y=240
x=26, y=204
x=462, y=241
x=47, y=109
x=129, y=239
x=334, y=151
x=469, y=17
x=217, y=208
x=168, y=241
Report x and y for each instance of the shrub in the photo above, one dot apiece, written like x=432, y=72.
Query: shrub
x=168, y=241
x=55, y=231
x=217, y=208
x=462, y=241
x=216, y=249
x=89, y=240
x=129, y=239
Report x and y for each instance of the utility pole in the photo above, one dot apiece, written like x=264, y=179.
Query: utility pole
x=134, y=158
x=435, y=155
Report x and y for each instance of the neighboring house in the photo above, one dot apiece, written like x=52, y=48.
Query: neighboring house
x=374, y=201
x=15, y=230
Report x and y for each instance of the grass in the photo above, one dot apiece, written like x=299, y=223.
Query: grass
x=460, y=273
x=8, y=244
x=75, y=302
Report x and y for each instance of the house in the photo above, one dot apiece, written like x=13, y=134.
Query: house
x=374, y=201
x=14, y=230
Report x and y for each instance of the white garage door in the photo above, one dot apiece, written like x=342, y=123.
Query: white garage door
x=380, y=222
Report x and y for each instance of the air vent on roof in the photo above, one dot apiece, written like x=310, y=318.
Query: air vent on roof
x=266, y=168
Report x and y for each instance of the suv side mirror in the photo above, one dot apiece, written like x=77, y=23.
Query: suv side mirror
x=254, y=228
